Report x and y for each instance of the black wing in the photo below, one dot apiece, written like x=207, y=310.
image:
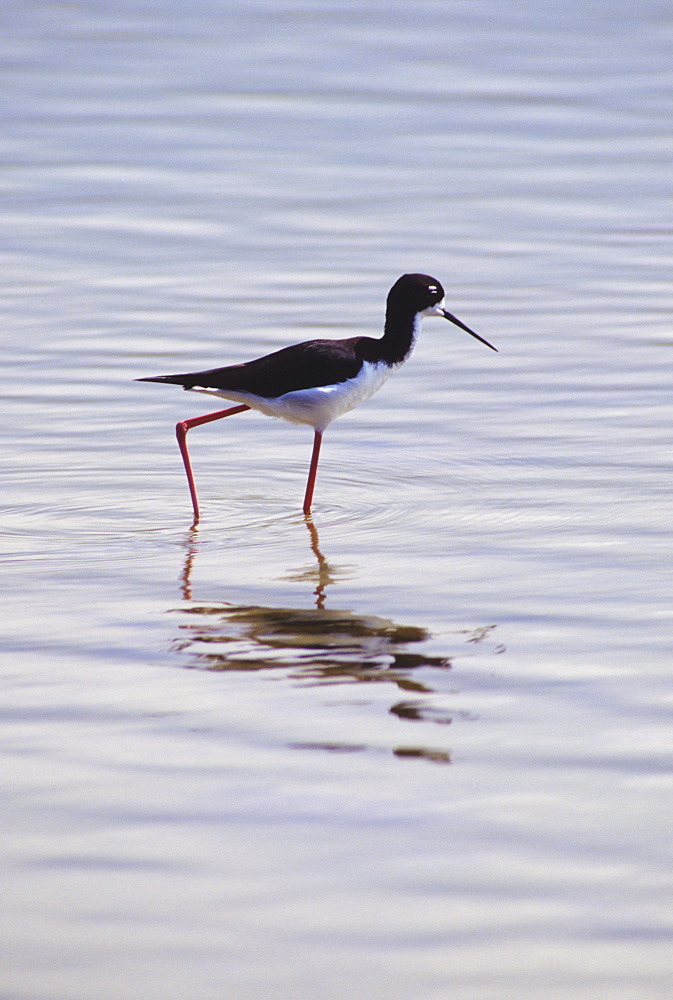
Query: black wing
x=302, y=366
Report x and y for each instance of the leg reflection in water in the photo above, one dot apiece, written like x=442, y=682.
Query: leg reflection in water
x=322, y=573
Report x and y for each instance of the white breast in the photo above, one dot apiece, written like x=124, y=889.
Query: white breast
x=319, y=406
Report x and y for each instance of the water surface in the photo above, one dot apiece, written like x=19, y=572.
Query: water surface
x=420, y=745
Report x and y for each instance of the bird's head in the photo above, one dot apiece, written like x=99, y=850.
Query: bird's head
x=424, y=295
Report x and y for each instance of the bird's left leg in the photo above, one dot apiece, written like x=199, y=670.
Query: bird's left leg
x=181, y=429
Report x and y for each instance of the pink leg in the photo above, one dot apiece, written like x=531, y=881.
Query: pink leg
x=181, y=434
x=312, y=472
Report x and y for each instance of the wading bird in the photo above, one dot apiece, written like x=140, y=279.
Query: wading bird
x=315, y=382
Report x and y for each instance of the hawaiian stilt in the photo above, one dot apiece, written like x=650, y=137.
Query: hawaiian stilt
x=315, y=382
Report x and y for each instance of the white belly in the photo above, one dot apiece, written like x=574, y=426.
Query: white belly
x=316, y=407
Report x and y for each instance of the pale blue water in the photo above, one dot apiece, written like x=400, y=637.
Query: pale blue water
x=421, y=746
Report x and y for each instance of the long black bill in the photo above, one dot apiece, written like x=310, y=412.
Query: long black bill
x=457, y=322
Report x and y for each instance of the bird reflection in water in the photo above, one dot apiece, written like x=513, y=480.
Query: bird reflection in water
x=319, y=646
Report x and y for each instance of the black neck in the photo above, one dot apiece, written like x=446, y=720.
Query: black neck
x=399, y=336
x=397, y=342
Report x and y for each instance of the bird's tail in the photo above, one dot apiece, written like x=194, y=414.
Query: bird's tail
x=186, y=380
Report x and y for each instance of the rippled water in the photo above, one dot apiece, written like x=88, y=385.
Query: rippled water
x=418, y=746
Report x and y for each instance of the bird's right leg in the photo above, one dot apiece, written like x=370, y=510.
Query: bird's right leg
x=181, y=429
x=312, y=472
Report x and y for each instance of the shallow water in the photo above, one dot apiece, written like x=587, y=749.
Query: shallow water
x=420, y=744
